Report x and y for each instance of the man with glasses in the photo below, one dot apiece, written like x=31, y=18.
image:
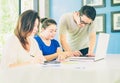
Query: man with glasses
x=77, y=32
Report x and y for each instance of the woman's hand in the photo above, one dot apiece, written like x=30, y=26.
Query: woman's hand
x=63, y=55
x=37, y=59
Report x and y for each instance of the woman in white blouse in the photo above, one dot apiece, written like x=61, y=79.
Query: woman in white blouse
x=21, y=48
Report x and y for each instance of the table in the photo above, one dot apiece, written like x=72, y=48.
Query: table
x=104, y=71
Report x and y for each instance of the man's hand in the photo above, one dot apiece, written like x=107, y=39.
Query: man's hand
x=77, y=53
x=90, y=55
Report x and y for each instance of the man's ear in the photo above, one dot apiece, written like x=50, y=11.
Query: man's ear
x=76, y=17
x=78, y=13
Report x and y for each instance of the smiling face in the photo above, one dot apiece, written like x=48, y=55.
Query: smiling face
x=82, y=20
x=49, y=32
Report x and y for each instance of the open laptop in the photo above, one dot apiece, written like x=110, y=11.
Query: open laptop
x=101, y=49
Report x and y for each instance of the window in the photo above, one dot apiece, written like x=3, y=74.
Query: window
x=44, y=8
x=9, y=11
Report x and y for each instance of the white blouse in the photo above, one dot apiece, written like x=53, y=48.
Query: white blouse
x=13, y=52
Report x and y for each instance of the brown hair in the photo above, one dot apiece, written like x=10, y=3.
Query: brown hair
x=25, y=26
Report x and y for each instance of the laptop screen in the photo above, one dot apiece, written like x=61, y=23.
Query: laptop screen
x=102, y=45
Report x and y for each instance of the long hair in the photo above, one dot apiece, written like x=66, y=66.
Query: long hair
x=25, y=26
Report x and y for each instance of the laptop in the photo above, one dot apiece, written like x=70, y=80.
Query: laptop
x=101, y=49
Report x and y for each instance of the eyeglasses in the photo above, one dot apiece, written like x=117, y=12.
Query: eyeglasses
x=82, y=22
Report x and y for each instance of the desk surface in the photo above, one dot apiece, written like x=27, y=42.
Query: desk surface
x=104, y=71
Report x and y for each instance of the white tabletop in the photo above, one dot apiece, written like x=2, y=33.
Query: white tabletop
x=104, y=71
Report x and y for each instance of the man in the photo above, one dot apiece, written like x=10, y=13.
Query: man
x=77, y=32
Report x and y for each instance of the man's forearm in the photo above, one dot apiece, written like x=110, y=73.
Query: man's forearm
x=65, y=46
x=92, y=44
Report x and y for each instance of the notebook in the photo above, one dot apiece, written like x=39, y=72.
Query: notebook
x=101, y=49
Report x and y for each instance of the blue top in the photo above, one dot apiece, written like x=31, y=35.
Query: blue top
x=47, y=50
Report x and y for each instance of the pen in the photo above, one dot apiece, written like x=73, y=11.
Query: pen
x=32, y=56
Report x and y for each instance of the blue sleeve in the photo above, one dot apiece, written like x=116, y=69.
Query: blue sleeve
x=39, y=41
x=56, y=43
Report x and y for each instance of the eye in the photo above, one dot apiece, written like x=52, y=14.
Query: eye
x=51, y=31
